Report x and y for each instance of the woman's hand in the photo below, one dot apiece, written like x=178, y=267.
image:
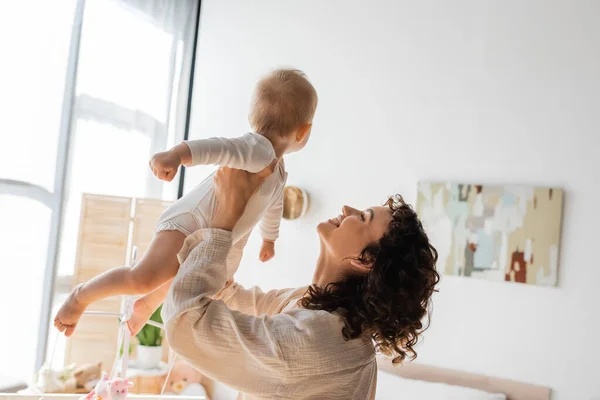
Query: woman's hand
x=233, y=189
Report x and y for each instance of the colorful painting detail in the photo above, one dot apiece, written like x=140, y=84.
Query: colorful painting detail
x=500, y=233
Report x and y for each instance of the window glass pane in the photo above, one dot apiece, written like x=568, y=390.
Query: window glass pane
x=105, y=160
x=35, y=48
x=128, y=64
x=124, y=85
x=24, y=230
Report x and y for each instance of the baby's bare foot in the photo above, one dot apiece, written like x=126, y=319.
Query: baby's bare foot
x=69, y=313
x=141, y=314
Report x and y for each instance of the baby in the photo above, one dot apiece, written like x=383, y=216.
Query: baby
x=281, y=114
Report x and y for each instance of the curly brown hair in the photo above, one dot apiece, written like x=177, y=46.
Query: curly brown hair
x=390, y=302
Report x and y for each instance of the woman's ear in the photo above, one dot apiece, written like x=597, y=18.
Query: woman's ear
x=302, y=132
x=362, y=265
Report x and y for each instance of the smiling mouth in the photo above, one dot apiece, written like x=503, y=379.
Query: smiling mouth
x=335, y=222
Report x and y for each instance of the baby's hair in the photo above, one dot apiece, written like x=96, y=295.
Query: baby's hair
x=282, y=101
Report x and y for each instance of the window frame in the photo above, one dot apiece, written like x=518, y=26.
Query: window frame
x=56, y=198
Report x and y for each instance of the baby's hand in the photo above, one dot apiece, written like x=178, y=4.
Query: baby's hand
x=267, y=251
x=164, y=165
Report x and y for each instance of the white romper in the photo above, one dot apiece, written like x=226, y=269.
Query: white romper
x=251, y=152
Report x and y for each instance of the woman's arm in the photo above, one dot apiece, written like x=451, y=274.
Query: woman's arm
x=237, y=349
x=257, y=355
x=255, y=302
x=252, y=301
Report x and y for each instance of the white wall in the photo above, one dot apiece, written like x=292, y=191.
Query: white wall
x=469, y=90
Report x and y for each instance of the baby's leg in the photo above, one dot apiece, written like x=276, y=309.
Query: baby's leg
x=158, y=265
x=145, y=306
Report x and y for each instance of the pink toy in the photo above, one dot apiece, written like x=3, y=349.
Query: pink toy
x=108, y=389
x=101, y=391
x=119, y=388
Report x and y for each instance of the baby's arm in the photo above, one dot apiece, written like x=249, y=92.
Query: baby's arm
x=269, y=229
x=248, y=152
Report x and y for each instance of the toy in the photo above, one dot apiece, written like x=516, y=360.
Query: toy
x=83, y=378
x=101, y=391
x=48, y=381
x=109, y=389
x=70, y=386
x=185, y=380
x=66, y=372
x=87, y=372
x=67, y=380
x=119, y=388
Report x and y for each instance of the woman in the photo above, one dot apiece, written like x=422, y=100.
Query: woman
x=372, y=284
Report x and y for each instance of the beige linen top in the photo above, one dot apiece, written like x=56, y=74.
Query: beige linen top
x=261, y=344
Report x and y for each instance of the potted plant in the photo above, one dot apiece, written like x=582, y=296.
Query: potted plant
x=149, y=348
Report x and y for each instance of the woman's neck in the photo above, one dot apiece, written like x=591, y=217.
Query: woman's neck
x=327, y=270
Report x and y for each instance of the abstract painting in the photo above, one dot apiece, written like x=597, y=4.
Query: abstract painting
x=500, y=233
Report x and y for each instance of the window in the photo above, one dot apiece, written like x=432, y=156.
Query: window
x=95, y=98
x=32, y=80
x=131, y=86
x=25, y=225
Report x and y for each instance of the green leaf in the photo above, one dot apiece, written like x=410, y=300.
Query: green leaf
x=151, y=335
x=131, y=347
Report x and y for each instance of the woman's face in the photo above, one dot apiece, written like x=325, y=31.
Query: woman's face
x=347, y=235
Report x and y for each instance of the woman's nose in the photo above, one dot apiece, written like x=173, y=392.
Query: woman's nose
x=347, y=210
